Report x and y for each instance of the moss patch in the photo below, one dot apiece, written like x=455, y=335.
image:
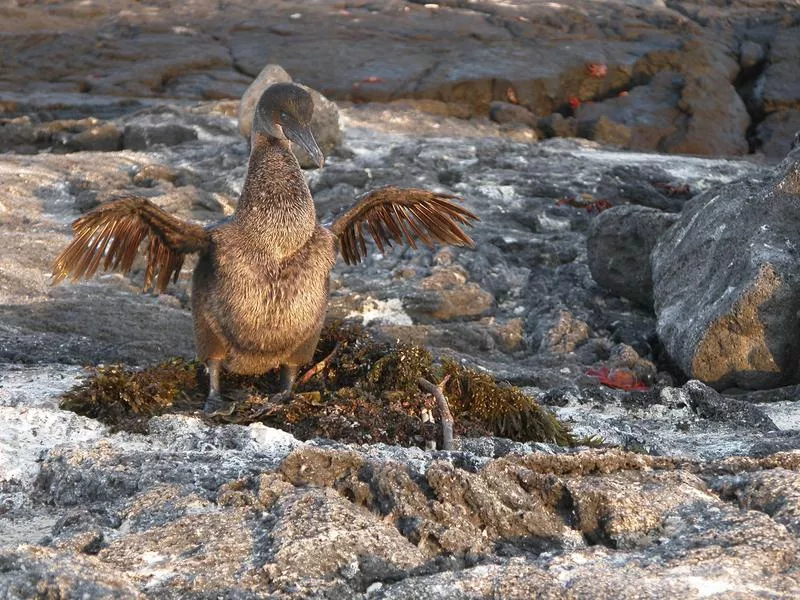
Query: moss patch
x=364, y=391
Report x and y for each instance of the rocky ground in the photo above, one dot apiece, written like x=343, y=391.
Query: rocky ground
x=711, y=78
x=695, y=492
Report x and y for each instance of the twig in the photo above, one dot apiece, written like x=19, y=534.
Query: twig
x=428, y=425
x=444, y=408
x=320, y=365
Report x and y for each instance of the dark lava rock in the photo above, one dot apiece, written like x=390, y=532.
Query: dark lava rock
x=648, y=186
x=22, y=135
x=103, y=138
x=675, y=112
x=193, y=510
x=781, y=87
x=718, y=118
x=759, y=491
x=750, y=54
x=545, y=58
x=144, y=137
x=556, y=125
x=36, y=572
x=618, y=249
x=650, y=111
x=775, y=441
x=606, y=131
x=707, y=403
x=726, y=284
x=266, y=517
x=446, y=294
x=505, y=112
x=777, y=132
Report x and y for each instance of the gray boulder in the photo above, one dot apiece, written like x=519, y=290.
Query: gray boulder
x=324, y=124
x=506, y=112
x=726, y=282
x=776, y=132
x=606, y=131
x=618, y=249
x=269, y=75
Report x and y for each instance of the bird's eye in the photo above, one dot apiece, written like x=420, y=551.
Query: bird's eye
x=284, y=115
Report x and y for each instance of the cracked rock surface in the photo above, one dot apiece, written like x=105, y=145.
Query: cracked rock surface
x=189, y=511
x=680, y=76
x=729, y=261
x=244, y=511
x=693, y=492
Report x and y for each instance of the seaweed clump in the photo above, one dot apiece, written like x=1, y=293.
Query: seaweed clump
x=125, y=399
x=502, y=408
x=359, y=390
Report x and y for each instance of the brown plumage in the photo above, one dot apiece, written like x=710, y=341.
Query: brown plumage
x=395, y=214
x=112, y=233
x=260, y=287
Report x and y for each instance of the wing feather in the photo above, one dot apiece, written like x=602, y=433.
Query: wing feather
x=111, y=234
x=397, y=215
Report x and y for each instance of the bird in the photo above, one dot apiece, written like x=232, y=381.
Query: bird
x=260, y=284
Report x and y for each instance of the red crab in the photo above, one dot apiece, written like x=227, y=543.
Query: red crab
x=512, y=96
x=598, y=206
x=620, y=379
x=598, y=70
x=673, y=190
x=593, y=207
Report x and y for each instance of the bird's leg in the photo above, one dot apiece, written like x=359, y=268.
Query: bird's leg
x=215, y=403
x=288, y=375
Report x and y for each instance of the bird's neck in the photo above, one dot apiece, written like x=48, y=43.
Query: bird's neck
x=276, y=209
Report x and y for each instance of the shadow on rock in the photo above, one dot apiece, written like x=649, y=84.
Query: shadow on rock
x=113, y=326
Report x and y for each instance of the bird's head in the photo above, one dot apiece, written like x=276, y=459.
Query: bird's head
x=284, y=112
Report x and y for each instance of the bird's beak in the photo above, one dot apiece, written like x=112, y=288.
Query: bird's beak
x=302, y=136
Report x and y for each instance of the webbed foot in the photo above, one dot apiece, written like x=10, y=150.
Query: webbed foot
x=217, y=405
x=283, y=397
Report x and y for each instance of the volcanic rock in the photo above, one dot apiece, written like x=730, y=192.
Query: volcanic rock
x=649, y=111
x=556, y=125
x=606, y=131
x=245, y=511
x=544, y=59
x=618, y=249
x=750, y=54
x=142, y=137
x=777, y=132
x=718, y=118
x=505, y=112
x=730, y=262
x=686, y=492
x=782, y=90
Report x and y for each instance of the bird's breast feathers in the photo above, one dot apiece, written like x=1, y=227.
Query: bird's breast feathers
x=261, y=300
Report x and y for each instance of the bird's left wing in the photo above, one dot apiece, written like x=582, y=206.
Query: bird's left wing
x=402, y=214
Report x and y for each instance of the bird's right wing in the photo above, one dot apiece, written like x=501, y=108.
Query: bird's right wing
x=112, y=233
x=395, y=214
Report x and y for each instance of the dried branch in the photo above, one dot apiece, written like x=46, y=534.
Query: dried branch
x=320, y=365
x=444, y=408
